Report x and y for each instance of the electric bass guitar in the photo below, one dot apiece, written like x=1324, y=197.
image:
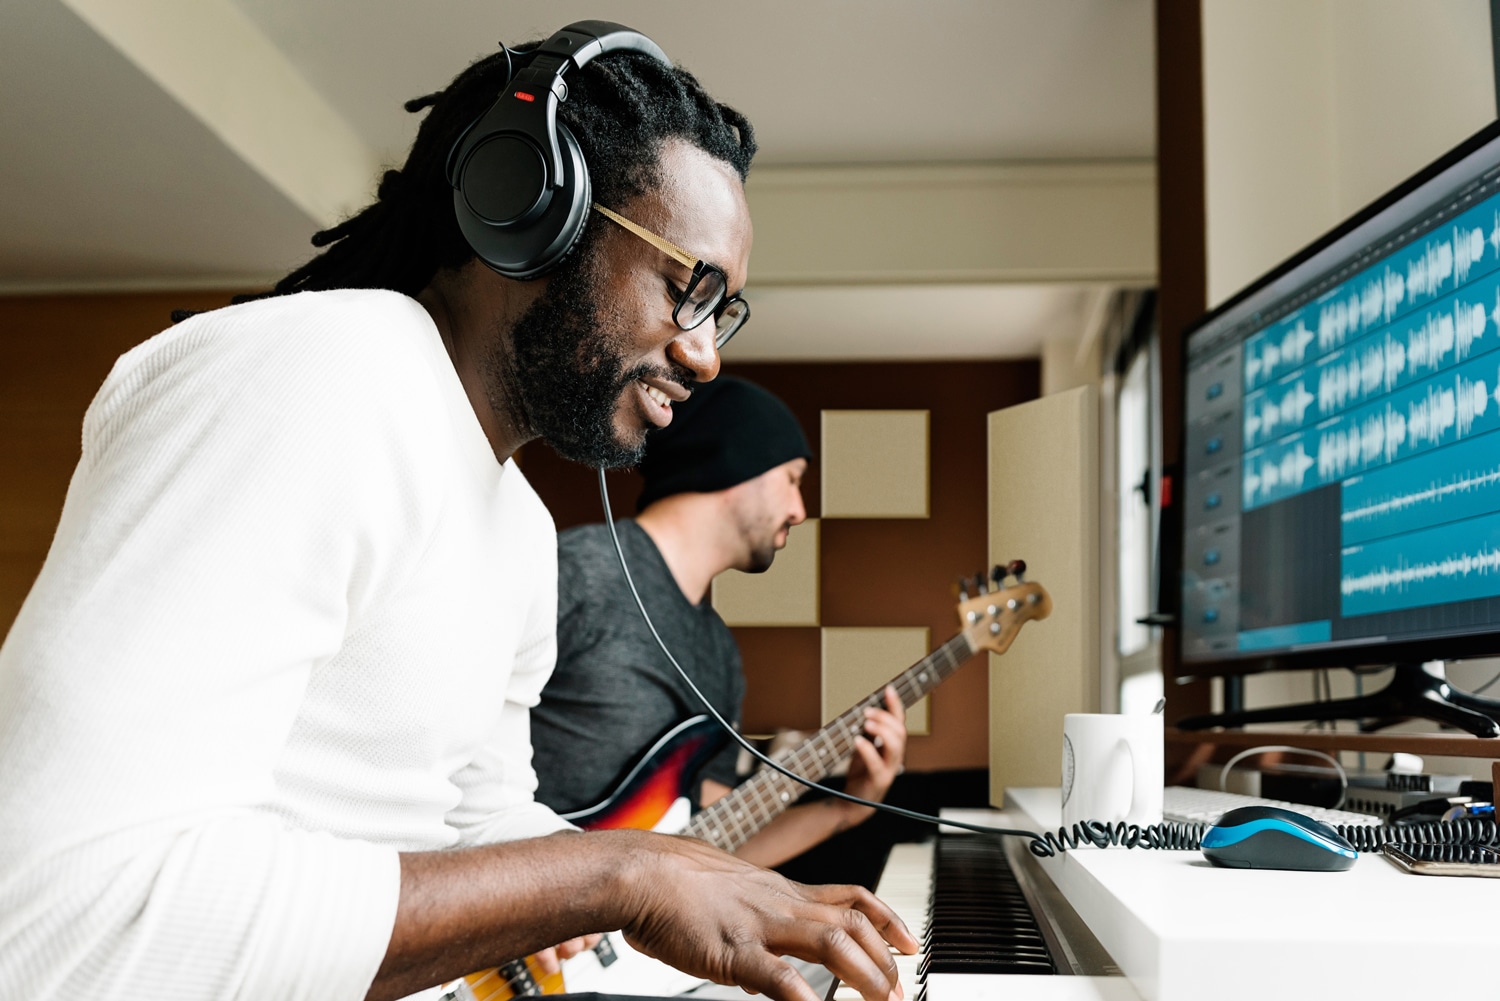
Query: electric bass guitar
x=657, y=792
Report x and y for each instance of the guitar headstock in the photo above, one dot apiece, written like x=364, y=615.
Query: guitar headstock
x=993, y=608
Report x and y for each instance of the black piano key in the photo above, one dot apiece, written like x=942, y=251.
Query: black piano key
x=979, y=920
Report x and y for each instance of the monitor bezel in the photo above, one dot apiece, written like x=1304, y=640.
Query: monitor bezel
x=1356, y=653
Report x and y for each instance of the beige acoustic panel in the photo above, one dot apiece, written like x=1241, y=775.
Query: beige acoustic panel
x=1043, y=508
x=857, y=662
x=785, y=595
x=874, y=463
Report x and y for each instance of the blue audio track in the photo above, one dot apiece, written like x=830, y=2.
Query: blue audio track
x=1459, y=561
x=1451, y=484
x=1445, y=409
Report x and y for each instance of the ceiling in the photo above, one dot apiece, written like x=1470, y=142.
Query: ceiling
x=871, y=322
x=824, y=81
x=108, y=181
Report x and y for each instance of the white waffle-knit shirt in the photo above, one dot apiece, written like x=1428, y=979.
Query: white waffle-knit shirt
x=292, y=622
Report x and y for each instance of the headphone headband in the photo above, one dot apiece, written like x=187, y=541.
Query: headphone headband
x=582, y=41
x=521, y=187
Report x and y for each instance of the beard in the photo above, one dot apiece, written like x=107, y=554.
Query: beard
x=561, y=375
x=763, y=549
x=762, y=556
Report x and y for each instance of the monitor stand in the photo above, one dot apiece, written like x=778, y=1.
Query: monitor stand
x=1420, y=690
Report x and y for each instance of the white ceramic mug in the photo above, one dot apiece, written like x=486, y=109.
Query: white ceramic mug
x=1112, y=768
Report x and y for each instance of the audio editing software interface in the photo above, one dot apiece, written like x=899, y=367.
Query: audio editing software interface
x=1343, y=439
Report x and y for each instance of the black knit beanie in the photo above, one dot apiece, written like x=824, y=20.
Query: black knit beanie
x=728, y=432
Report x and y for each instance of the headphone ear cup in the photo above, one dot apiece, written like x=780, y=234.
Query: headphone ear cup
x=529, y=249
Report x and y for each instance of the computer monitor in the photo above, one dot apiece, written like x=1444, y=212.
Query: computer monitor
x=1341, y=473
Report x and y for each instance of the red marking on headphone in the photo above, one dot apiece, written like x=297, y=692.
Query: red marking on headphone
x=521, y=95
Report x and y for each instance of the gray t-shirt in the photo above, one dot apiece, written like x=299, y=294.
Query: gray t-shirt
x=613, y=691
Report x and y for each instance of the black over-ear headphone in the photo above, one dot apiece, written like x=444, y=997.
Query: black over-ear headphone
x=520, y=185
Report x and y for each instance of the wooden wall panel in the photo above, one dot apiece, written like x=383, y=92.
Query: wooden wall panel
x=54, y=353
x=783, y=668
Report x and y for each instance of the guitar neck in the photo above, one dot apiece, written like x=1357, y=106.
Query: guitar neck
x=753, y=804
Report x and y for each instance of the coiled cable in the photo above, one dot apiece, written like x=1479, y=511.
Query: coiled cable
x=1160, y=837
x=1462, y=831
x=1465, y=831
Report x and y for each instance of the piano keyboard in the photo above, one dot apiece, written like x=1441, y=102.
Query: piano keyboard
x=981, y=938
x=906, y=885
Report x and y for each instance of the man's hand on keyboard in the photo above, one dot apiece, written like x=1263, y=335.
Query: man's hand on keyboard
x=710, y=914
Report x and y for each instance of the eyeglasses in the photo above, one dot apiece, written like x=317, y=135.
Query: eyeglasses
x=705, y=292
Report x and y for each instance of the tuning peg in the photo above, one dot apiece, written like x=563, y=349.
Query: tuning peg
x=962, y=588
x=981, y=586
x=997, y=574
x=1017, y=569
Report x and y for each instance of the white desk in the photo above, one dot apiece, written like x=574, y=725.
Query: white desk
x=1185, y=930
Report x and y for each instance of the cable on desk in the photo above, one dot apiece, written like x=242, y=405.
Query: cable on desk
x=1463, y=831
x=1161, y=837
x=1338, y=768
x=1468, y=831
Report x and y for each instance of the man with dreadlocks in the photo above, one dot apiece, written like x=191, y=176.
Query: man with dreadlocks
x=247, y=747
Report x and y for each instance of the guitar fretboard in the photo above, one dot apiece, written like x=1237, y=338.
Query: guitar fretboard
x=753, y=804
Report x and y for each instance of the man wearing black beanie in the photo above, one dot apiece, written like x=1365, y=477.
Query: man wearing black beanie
x=722, y=492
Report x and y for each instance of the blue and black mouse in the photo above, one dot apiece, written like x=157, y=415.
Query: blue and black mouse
x=1264, y=837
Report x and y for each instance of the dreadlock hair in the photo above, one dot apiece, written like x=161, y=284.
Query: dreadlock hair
x=621, y=107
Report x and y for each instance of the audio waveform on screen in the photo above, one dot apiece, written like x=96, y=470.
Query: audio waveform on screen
x=1441, y=413
x=1361, y=307
x=1418, y=418
x=1421, y=494
x=1403, y=354
x=1428, y=271
x=1459, y=561
x=1355, y=374
x=1468, y=250
x=1269, y=477
x=1266, y=358
x=1404, y=575
x=1284, y=408
x=1404, y=281
x=1444, y=334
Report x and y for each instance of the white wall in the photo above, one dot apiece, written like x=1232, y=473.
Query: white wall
x=1312, y=108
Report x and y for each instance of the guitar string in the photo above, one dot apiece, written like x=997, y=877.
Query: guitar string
x=768, y=790
x=911, y=684
x=755, y=752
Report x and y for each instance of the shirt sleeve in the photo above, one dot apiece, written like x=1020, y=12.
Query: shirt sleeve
x=232, y=512
x=499, y=785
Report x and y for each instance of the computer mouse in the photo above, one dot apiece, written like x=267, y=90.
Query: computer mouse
x=1265, y=837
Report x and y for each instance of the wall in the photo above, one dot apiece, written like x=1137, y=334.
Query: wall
x=54, y=353
x=1312, y=108
x=874, y=572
